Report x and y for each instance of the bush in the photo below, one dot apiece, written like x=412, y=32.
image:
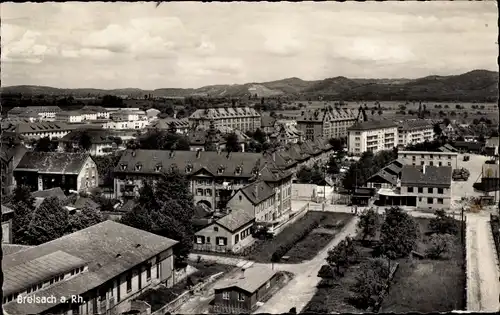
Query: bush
x=440, y=244
x=326, y=272
x=283, y=249
x=370, y=283
x=443, y=224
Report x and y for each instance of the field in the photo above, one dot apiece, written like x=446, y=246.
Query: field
x=418, y=286
x=158, y=298
x=329, y=225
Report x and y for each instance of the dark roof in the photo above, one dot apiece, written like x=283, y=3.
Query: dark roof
x=53, y=162
x=415, y=124
x=128, y=205
x=38, y=127
x=436, y=176
x=236, y=219
x=224, y=113
x=393, y=168
x=109, y=248
x=390, y=178
x=96, y=136
x=234, y=164
x=250, y=280
x=372, y=124
x=468, y=145
x=43, y=268
x=84, y=202
x=53, y=192
x=165, y=123
x=17, y=152
x=319, y=115
x=9, y=249
x=267, y=121
x=258, y=192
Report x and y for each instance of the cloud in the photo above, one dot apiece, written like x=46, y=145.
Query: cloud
x=112, y=45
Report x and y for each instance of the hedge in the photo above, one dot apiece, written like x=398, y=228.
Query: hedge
x=283, y=249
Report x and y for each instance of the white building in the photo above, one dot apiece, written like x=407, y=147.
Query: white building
x=242, y=118
x=372, y=136
x=37, y=130
x=414, y=131
x=421, y=158
x=72, y=116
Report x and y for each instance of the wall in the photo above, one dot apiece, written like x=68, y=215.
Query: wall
x=407, y=137
x=88, y=177
x=422, y=197
x=304, y=191
x=417, y=158
x=222, y=232
x=7, y=231
x=360, y=141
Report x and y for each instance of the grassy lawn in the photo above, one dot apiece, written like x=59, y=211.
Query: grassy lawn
x=327, y=221
x=158, y=298
x=428, y=285
x=315, y=241
x=418, y=286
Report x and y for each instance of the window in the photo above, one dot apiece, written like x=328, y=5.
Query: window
x=440, y=201
x=221, y=241
x=431, y=163
x=148, y=272
x=200, y=240
x=440, y=163
x=240, y=197
x=208, y=239
x=268, y=284
x=449, y=163
x=410, y=189
x=129, y=283
x=199, y=192
x=440, y=191
x=413, y=158
x=430, y=201
x=216, y=228
x=420, y=190
x=158, y=270
x=241, y=297
x=236, y=238
x=430, y=190
x=422, y=163
x=422, y=156
x=225, y=295
x=208, y=192
x=449, y=157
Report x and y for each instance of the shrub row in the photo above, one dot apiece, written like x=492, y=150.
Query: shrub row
x=284, y=248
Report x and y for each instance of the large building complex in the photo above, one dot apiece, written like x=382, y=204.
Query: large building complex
x=373, y=136
x=414, y=131
x=242, y=118
x=325, y=123
x=103, y=267
x=421, y=158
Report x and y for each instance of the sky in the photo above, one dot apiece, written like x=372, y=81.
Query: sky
x=189, y=45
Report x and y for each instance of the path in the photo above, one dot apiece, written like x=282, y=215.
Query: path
x=483, y=286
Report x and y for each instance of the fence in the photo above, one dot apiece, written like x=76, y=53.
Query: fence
x=223, y=251
x=174, y=305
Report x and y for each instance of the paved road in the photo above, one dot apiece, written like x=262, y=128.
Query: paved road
x=483, y=285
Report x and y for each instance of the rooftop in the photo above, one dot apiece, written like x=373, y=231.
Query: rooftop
x=432, y=176
x=426, y=153
x=224, y=112
x=52, y=162
x=53, y=192
x=109, y=248
x=24, y=127
x=415, y=124
x=97, y=136
x=236, y=219
x=328, y=114
x=9, y=249
x=6, y=210
x=372, y=125
x=250, y=280
x=258, y=192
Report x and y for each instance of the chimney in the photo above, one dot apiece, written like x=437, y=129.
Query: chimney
x=256, y=190
x=242, y=276
x=198, y=153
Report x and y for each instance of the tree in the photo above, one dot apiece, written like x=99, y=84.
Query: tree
x=232, y=143
x=342, y=255
x=84, y=141
x=368, y=223
x=440, y=245
x=259, y=136
x=369, y=283
x=437, y=130
x=44, y=144
x=443, y=224
x=84, y=219
x=336, y=144
x=332, y=166
x=48, y=222
x=169, y=213
x=398, y=234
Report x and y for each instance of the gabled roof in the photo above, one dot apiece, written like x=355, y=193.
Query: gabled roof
x=389, y=178
x=258, y=192
x=53, y=162
x=236, y=219
x=97, y=136
x=6, y=210
x=53, y=192
x=372, y=125
x=250, y=281
x=224, y=113
x=84, y=202
x=433, y=176
x=325, y=114
x=38, y=127
x=109, y=249
x=415, y=124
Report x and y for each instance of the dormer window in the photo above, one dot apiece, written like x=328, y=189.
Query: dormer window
x=158, y=167
x=238, y=170
x=124, y=167
x=220, y=170
x=189, y=168
x=138, y=166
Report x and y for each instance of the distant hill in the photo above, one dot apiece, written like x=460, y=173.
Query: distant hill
x=477, y=85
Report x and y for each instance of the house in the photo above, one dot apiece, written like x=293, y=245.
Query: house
x=96, y=112
x=231, y=233
x=268, y=124
x=241, y=293
x=427, y=187
x=44, y=112
x=372, y=136
x=414, y=131
x=325, y=123
x=7, y=215
x=257, y=196
x=10, y=158
x=181, y=125
x=152, y=113
x=71, y=116
x=214, y=176
x=101, y=142
x=421, y=158
x=491, y=146
x=287, y=134
x=242, y=118
x=45, y=170
x=469, y=147
x=387, y=177
x=39, y=130
x=105, y=265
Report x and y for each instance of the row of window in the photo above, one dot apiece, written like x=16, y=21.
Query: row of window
x=430, y=201
x=430, y=190
x=431, y=163
x=204, y=192
x=431, y=156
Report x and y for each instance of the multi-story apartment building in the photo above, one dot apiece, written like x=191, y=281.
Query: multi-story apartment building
x=372, y=136
x=325, y=123
x=287, y=134
x=427, y=187
x=45, y=170
x=414, y=131
x=181, y=125
x=104, y=267
x=100, y=112
x=259, y=198
x=214, y=176
x=39, y=130
x=242, y=118
x=71, y=116
x=44, y=112
x=421, y=158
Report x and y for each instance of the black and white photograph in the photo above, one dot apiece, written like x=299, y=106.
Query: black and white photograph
x=183, y=157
